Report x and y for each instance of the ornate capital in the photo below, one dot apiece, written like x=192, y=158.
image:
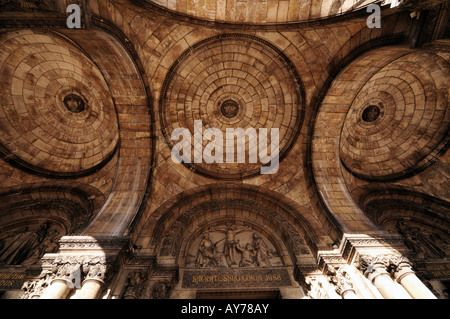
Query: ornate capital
x=75, y=269
x=402, y=267
x=394, y=263
x=340, y=279
x=370, y=264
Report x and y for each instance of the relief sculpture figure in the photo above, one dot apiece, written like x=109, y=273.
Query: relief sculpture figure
x=247, y=255
x=207, y=252
x=262, y=251
x=16, y=248
x=230, y=251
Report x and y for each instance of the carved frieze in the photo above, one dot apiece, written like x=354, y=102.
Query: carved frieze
x=232, y=246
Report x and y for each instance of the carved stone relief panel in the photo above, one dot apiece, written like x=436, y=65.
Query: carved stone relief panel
x=26, y=245
x=424, y=242
x=234, y=246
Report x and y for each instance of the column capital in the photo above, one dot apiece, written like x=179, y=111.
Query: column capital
x=341, y=279
x=374, y=264
x=402, y=267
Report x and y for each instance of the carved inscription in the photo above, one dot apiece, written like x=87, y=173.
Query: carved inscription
x=236, y=278
x=10, y=281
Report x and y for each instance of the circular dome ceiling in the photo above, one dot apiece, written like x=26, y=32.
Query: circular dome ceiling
x=400, y=120
x=233, y=81
x=56, y=116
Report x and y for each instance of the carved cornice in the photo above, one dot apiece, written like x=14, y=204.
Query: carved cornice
x=352, y=245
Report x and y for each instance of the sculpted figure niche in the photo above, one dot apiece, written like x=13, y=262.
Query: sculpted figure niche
x=221, y=247
x=424, y=245
x=26, y=247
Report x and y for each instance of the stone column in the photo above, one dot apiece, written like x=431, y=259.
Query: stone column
x=95, y=269
x=58, y=289
x=375, y=269
x=67, y=275
x=405, y=276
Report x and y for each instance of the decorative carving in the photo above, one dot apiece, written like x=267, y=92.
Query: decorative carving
x=48, y=5
x=371, y=113
x=423, y=247
x=340, y=279
x=401, y=266
x=228, y=251
x=74, y=103
x=369, y=264
x=135, y=285
x=207, y=252
x=262, y=251
x=95, y=269
x=248, y=255
x=316, y=287
x=26, y=247
x=229, y=108
x=75, y=268
x=33, y=289
x=161, y=289
x=391, y=263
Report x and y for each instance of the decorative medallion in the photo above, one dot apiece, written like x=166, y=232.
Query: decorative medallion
x=74, y=103
x=229, y=108
x=371, y=113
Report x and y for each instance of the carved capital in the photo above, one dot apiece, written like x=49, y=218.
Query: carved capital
x=342, y=281
x=95, y=268
x=73, y=269
x=370, y=264
x=402, y=267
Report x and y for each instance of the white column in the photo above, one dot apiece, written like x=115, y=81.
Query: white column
x=385, y=285
x=405, y=276
x=58, y=289
x=375, y=269
x=414, y=286
x=90, y=289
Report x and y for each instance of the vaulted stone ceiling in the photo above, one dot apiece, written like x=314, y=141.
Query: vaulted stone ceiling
x=262, y=11
x=92, y=111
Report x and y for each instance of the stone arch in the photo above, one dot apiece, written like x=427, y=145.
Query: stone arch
x=114, y=59
x=34, y=217
x=109, y=48
x=326, y=132
x=174, y=223
x=387, y=206
x=421, y=219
